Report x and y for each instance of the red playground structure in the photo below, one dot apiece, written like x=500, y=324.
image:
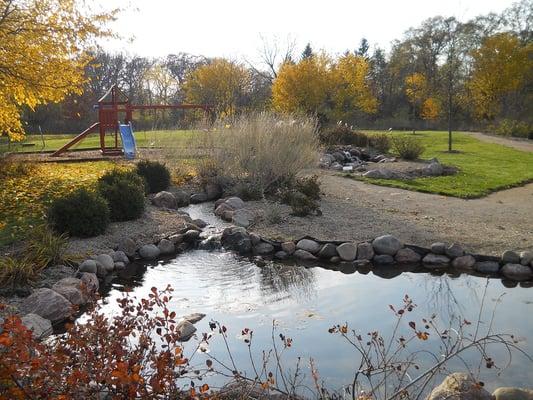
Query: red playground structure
x=113, y=103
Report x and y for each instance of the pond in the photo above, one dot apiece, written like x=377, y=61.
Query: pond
x=306, y=301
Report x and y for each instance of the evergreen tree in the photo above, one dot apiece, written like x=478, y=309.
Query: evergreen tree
x=363, y=48
x=308, y=52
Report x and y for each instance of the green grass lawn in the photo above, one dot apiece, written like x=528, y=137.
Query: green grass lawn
x=144, y=139
x=483, y=167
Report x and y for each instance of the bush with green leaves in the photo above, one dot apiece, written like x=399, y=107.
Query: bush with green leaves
x=407, y=147
x=381, y=142
x=510, y=127
x=81, y=213
x=156, y=174
x=124, y=193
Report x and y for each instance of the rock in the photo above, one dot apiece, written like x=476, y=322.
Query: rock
x=308, y=245
x=379, y=174
x=455, y=250
x=90, y=281
x=281, y=255
x=176, y=239
x=219, y=202
x=526, y=257
x=510, y=257
x=387, y=244
x=72, y=289
x=435, y=259
x=487, y=267
x=182, y=198
x=127, y=246
x=191, y=236
x=166, y=247
x=236, y=239
x=213, y=191
x=365, y=251
x=327, y=251
x=304, y=255
x=511, y=393
x=235, y=203
x=407, y=256
x=194, y=317
x=149, y=252
x=210, y=243
x=263, y=249
x=383, y=259
x=459, y=386
x=338, y=156
x=197, y=198
x=228, y=215
x=48, y=304
x=119, y=256
x=464, y=262
x=241, y=218
x=39, y=326
x=221, y=209
x=185, y=330
x=288, y=247
x=435, y=168
x=165, y=199
x=259, y=261
x=335, y=260
x=517, y=272
x=106, y=261
x=200, y=223
x=119, y=266
x=101, y=271
x=88, y=266
x=347, y=251
x=439, y=248
x=255, y=238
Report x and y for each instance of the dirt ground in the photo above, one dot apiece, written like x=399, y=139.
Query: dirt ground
x=354, y=210
x=515, y=143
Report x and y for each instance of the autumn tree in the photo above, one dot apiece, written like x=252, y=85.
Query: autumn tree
x=43, y=53
x=222, y=84
x=423, y=105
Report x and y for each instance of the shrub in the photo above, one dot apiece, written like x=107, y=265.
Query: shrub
x=302, y=205
x=247, y=190
x=17, y=271
x=344, y=135
x=273, y=213
x=407, y=147
x=81, y=213
x=309, y=186
x=124, y=193
x=509, y=127
x=381, y=142
x=46, y=248
x=156, y=174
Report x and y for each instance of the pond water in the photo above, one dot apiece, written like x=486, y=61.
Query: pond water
x=306, y=301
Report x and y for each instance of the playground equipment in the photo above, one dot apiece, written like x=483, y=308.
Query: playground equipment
x=110, y=106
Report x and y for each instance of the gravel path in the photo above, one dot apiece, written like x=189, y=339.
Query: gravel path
x=354, y=210
x=516, y=143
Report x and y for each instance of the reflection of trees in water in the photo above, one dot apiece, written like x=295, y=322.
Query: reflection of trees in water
x=290, y=280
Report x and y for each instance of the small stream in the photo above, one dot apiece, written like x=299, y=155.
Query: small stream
x=306, y=301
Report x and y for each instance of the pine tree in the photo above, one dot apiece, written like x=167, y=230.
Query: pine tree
x=308, y=52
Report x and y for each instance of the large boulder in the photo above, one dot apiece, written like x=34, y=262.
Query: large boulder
x=119, y=256
x=511, y=393
x=487, y=267
x=464, y=262
x=40, y=327
x=434, y=168
x=263, y=249
x=510, y=257
x=90, y=281
x=106, y=261
x=308, y=245
x=182, y=198
x=127, y=246
x=288, y=247
x=304, y=255
x=235, y=203
x=455, y=250
x=380, y=174
x=387, y=244
x=365, y=251
x=213, y=191
x=88, y=266
x=327, y=251
x=407, y=256
x=383, y=259
x=198, y=198
x=222, y=209
x=241, y=218
x=236, y=239
x=526, y=257
x=435, y=260
x=165, y=199
x=517, y=272
x=459, y=386
x=166, y=247
x=438, y=248
x=149, y=252
x=48, y=304
x=72, y=289
x=347, y=251
x=185, y=330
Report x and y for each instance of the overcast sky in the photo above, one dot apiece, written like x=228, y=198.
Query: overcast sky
x=233, y=28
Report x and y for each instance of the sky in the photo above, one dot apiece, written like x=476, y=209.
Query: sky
x=235, y=28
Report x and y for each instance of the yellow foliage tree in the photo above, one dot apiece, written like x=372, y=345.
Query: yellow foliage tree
x=430, y=109
x=222, y=84
x=417, y=91
x=43, y=53
x=501, y=65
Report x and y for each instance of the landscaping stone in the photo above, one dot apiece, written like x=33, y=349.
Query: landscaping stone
x=185, y=330
x=526, y=257
x=127, y=246
x=263, y=249
x=40, y=327
x=281, y=255
x=120, y=256
x=517, y=272
x=510, y=257
x=455, y=250
x=200, y=223
x=165, y=199
x=72, y=289
x=335, y=260
x=221, y=209
x=459, y=386
x=48, y=304
x=237, y=239
x=149, y=252
x=182, y=198
x=166, y=247
x=228, y=215
x=387, y=244
x=197, y=198
x=191, y=236
x=288, y=247
x=235, y=203
x=365, y=251
x=347, y=251
x=212, y=242
x=438, y=248
x=255, y=238
x=380, y=174
x=176, y=239
x=327, y=251
x=407, y=256
x=464, y=262
x=106, y=261
x=88, y=266
x=308, y=245
x=435, y=168
x=219, y=202
x=383, y=259
x=304, y=255
x=241, y=218
x=119, y=266
x=101, y=271
x=90, y=281
x=511, y=393
x=213, y=191
x=435, y=259
x=487, y=267
x=194, y=317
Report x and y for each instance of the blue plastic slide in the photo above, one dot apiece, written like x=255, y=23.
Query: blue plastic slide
x=128, y=141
